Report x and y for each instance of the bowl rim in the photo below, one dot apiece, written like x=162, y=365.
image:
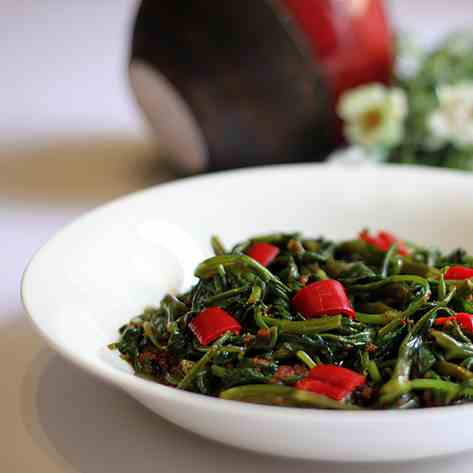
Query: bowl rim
x=129, y=381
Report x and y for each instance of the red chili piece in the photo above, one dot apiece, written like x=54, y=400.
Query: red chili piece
x=464, y=320
x=326, y=297
x=383, y=241
x=317, y=387
x=264, y=253
x=459, y=272
x=337, y=376
x=212, y=323
x=331, y=381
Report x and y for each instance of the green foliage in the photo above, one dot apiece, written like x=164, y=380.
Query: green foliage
x=421, y=141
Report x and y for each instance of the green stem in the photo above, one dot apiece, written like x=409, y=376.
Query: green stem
x=370, y=367
x=387, y=259
x=453, y=348
x=375, y=308
x=390, y=326
x=322, y=324
x=148, y=330
x=413, y=306
x=454, y=371
x=172, y=307
x=442, y=289
x=226, y=295
x=198, y=366
x=259, y=318
x=306, y=359
x=393, y=279
x=418, y=269
x=448, y=298
x=255, y=296
x=398, y=384
x=450, y=389
x=374, y=372
x=377, y=319
x=281, y=395
x=244, y=263
x=359, y=339
x=276, y=238
x=217, y=246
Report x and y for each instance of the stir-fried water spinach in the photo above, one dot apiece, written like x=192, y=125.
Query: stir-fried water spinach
x=370, y=323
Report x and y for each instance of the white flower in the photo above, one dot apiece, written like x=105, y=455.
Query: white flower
x=373, y=115
x=452, y=121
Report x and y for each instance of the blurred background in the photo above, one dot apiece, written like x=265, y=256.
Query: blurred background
x=70, y=126
x=72, y=137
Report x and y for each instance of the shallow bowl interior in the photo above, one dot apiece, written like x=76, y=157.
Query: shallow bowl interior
x=104, y=268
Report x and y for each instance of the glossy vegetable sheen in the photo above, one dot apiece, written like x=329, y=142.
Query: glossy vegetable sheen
x=327, y=297
x=212, y=323
x=287, y=320
x=332, y=381
x=264, y=253
x=459, y=272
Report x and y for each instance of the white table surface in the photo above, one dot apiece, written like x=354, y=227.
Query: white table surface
x=70, y=139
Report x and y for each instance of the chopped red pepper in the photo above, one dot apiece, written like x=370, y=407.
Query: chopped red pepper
x=459, y=272
x=326, y=297
x=331, y=381
x=464, y=320
x=337, y=376
x=318, y=387
x=264, y=253
x=212, y=323
x=383, y=241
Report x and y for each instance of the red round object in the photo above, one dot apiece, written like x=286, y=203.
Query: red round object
x=326, y=297
x=212, y=323
x=459, y=273
x=264, y=253
x=351, y=39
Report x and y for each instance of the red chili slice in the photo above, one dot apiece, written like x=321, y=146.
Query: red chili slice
x=332, y=381
x=264, y=253
x=337, y=376
x=317, y=387
x=458, y=273
x=464, y=320
x=212, y=323
x=326, y=297
x=383, y=241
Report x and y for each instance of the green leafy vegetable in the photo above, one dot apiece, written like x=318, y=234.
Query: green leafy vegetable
x=390, y=338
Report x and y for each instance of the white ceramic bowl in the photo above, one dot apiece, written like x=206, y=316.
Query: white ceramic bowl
x=104, y=268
